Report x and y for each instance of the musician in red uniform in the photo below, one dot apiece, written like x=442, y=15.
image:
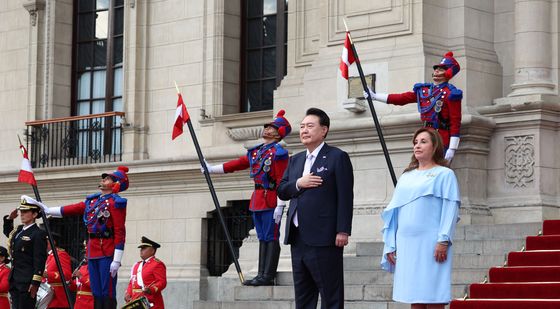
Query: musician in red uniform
x=148, y=277
x=104, y=215
x=84, y=297
x=52, y=275
x=267, y=163
x=439, y=103
x=4, y=278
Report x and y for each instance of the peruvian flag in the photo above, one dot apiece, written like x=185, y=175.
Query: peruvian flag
x=26, y=173
x=181, y=117
x=347, y=57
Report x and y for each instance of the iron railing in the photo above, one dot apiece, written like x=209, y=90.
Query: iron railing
x=72, y=236
x=76, y=140
x=239, y=222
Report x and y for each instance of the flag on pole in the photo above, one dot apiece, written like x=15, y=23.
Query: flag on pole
x=181, y=117
x=26, y=173
x=347, y=57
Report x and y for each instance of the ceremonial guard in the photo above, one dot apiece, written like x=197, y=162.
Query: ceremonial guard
x=148, y=277
x=267, y=163
x=27, y=245
x=104, y=214
x=84, y=297
x=52, y=275
x=4, y=278
x=439, y=103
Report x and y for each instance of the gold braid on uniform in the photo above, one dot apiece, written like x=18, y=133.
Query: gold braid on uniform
x=10, y=238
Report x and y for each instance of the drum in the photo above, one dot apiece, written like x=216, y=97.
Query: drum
x=139, y=303
x=45, y=295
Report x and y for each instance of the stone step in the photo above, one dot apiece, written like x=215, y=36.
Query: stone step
x=365, y=292
x=291, y=305
x=465, y=260
x=459, y=276
x=497, y=231
x=494, y=246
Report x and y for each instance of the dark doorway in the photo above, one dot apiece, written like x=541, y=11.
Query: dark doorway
x=239, y=222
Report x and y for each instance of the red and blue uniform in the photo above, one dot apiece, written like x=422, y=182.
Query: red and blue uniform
x=267, y=163
x=104, y=217
x=439, y=107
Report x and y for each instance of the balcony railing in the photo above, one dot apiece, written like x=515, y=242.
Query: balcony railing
x=75, y=140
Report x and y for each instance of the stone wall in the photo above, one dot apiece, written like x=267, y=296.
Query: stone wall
x=506, y=164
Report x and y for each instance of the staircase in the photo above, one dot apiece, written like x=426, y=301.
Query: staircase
x=477, y=247
x=531, y=278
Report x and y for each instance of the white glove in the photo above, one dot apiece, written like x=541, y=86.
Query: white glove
x=114, y=269
x=213, y=169
x=278, y=212
x=449, y=154
x=381, y=97
x=453, y=145
x=52, y=211
x=116, y=263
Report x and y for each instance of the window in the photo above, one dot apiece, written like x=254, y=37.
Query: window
x=98, y=70
x=264, y=51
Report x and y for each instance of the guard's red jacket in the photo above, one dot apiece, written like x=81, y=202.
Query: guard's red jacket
x=154, y=278
x=54, y=279
x=4, y=286
x=104, y=217
x=84, y=297
x=447, y=118
x=268, y=163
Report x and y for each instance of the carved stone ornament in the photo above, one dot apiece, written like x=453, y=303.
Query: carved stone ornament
x=244, y=134
x=33, y=7
x=520, y=160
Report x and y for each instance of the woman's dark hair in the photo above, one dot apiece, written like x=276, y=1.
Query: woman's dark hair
x=324, y=119
x=437, y=155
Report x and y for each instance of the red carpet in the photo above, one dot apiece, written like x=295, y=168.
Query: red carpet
x=545, y=242
x=534, y=258
x=551, y=227
x=525, y=274
x=531, y=278
x=506, y=304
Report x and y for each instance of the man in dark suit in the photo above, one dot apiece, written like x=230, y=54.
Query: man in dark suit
x=319, y=183
x=28, y=247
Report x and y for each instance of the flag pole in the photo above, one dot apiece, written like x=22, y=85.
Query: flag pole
x=372, y=108
x=51, y=242
x=214, y=196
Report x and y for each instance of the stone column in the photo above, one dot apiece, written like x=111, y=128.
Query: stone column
x=36, y=9
x=533, y=48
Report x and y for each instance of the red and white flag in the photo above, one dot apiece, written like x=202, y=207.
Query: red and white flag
x=26, y=173
x=347, y=57
x=181, y=117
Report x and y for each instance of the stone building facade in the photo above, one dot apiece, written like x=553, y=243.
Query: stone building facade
x=507, y=163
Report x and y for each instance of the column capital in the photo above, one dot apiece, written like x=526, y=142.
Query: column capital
x=33, y=6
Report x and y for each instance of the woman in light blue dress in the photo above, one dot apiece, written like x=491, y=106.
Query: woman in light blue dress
x=419, y=223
